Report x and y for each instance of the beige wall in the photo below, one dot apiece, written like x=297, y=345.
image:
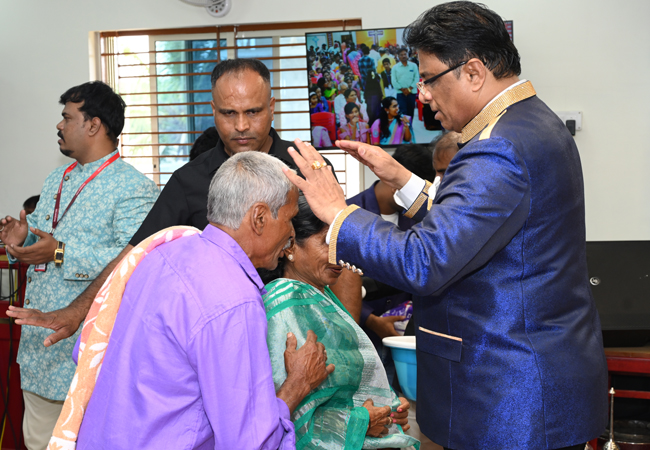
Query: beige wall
x=586, y=55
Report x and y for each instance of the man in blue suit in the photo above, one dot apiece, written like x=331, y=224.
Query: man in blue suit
x=509, y=343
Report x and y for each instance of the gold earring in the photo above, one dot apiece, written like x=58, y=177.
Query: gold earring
x=290, y=257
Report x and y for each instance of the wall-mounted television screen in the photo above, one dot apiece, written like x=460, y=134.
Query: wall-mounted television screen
x=363, y=87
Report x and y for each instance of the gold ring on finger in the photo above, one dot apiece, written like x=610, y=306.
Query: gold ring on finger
x=316, y=165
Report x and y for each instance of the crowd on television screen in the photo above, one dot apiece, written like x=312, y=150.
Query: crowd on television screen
x=367, y=93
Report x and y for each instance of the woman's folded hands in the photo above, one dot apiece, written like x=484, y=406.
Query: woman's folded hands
x=382, y=416
x=401, y=415
x=379, y=419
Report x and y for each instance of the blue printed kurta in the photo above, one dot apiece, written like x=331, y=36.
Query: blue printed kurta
x=97, y=227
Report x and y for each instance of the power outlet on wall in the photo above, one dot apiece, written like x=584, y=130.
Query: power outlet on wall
x=571, y=115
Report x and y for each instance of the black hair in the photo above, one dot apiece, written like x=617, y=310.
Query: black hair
x=417, y=158
x=305, y=225
x=373, y=86
x=383, y=116
x=100, y=101
x=239, y=65
x=206, y=141
x=385, y=60
x=457, y=31
x=321, y=84
x=348, y=92
x=349, y=107
x=31, y=202
x=365, y=49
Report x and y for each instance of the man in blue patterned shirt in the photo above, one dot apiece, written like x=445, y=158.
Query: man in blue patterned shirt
x=88, y=212
x=366, y=65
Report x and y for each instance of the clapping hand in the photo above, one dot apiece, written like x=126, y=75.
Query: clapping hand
x=40, y=252
x=12, y=231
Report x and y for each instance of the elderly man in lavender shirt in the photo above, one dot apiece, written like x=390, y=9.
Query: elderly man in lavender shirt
x=187, y=366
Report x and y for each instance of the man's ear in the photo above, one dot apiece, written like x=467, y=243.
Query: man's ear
x=476, y=72
x=272, y=105
x=95, y=126
x=259, y=217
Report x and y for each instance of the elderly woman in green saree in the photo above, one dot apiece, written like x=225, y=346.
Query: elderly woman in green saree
x=355, y=407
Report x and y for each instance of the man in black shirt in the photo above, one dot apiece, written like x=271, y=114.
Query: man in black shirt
x=184, y=199
x=243, y=113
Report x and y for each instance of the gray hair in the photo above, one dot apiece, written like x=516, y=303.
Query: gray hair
x=243, y=180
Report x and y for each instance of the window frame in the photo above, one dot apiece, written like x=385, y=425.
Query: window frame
x=349, y=171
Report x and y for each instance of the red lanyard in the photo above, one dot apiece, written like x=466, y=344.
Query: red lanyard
x=55, y=216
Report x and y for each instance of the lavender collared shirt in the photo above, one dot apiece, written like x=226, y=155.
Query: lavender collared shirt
x=187, y=366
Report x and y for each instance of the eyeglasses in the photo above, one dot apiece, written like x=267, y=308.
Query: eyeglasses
x=422, y=84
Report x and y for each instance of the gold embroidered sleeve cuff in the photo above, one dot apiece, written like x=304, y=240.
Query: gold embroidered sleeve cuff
x=335, y=231
x=417, y=204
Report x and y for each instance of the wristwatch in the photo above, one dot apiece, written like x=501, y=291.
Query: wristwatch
x=58, y=254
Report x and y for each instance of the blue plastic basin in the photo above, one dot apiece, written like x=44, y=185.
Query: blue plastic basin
x=403, y=350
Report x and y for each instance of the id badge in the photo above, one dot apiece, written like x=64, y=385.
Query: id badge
x=40, y=268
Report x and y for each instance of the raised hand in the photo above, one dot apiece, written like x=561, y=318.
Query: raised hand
x=379, y=419
x=381, y=163
x=12, y=231
x=322, y=191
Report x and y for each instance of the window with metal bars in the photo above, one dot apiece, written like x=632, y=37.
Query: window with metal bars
x=164, y=78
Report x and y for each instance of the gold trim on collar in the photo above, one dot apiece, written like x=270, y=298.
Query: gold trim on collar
x=487, y=131
x=509, y=98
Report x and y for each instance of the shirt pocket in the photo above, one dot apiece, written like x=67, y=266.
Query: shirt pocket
x=438, y=344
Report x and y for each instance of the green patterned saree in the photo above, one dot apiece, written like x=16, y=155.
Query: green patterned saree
x=332, y=415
